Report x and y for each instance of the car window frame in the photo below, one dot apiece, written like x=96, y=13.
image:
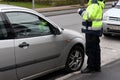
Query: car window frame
x=7, y=26
x=50, y=25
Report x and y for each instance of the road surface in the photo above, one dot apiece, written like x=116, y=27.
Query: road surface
x=110, y=46
x=109, y=72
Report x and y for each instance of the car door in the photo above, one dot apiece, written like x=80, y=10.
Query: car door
x=7, y=56
x=36, y=47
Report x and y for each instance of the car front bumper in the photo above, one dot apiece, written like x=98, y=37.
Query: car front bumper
x=111, y=29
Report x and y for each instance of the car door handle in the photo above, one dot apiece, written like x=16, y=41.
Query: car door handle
x=24, y=44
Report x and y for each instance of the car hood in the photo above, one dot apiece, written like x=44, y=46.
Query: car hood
x=113, y=12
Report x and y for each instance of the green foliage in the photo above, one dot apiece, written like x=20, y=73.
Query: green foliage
x=44, y=3
x=71, y=2
x=17, y=0
x=25, y=4
x=58, y=2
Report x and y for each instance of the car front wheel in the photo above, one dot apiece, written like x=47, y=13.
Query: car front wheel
x=75, y=59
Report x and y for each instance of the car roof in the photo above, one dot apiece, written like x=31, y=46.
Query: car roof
x=5, y=6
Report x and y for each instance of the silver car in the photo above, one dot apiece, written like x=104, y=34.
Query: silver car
x=31, y=45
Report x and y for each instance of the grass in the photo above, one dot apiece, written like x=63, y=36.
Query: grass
x=25, y=4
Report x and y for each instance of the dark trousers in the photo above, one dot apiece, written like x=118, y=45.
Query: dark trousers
x=93, y=51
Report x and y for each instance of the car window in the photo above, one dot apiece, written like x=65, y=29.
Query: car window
x=3, y=30
x=28, y=25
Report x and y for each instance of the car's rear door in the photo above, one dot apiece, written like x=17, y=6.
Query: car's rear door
x=36, y=48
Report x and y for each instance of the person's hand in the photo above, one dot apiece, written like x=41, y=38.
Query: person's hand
x=80, y=11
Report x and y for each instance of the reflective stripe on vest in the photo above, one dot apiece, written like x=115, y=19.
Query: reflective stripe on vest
x=97, y=20
x=91, y=28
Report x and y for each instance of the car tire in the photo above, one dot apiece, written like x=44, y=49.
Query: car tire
x=75, y=59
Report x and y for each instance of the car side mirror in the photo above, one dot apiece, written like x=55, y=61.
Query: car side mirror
x=56, y=31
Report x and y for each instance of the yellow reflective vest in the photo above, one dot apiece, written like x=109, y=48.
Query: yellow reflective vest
x=94, y=14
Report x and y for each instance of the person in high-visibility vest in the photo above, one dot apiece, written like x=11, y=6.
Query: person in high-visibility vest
x=92, y=23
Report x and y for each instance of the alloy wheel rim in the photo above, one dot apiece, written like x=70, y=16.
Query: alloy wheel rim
x=75, y=60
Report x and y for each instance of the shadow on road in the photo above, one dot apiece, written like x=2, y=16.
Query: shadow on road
x=113, y=37
x=110, y=71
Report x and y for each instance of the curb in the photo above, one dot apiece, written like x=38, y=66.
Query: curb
x=60, y=8
x=69, y=7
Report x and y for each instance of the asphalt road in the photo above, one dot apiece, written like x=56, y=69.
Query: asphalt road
x=110, y=47
x=109, y=72
x=62, y=12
